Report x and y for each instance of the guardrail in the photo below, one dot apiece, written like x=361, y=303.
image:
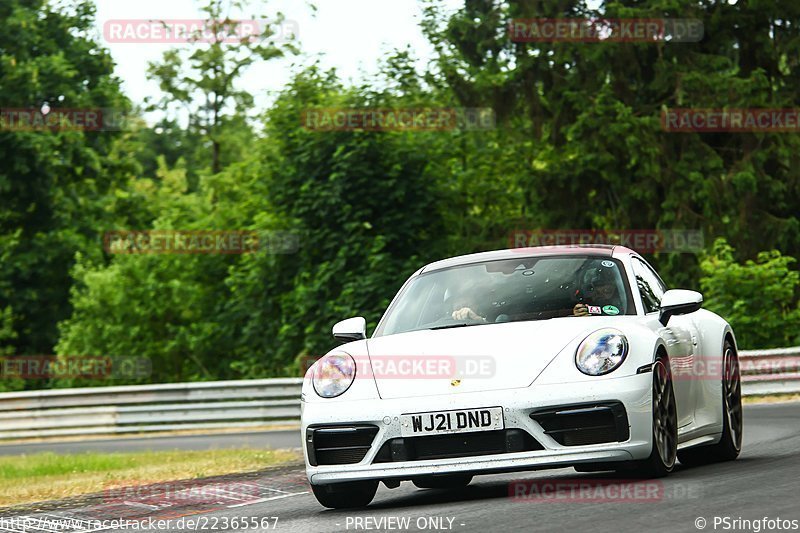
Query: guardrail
x=251, y=403
x=770, y=371
x=147, y=408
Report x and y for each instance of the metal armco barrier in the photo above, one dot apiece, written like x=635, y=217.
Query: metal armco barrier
x=147, y=408
x=770, y=371
x=251, y=403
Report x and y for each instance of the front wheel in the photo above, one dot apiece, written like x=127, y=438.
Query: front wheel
x=665, y=425
x=729, y=446
x=345, y=495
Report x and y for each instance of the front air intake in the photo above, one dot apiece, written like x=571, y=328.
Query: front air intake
x=584, y=424
x=338, y=445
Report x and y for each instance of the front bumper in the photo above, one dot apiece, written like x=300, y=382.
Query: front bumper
x=634, y=392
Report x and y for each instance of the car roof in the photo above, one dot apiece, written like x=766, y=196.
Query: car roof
x=606, y=250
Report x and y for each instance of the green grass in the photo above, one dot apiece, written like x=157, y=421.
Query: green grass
x=50, y=464
x=772, y=398
x=48, y=476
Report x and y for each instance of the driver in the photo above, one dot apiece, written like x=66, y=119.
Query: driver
x=465, y=303
x=465, y=312
x=601, y=291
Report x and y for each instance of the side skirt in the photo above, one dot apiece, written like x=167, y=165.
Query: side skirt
x=699, y=441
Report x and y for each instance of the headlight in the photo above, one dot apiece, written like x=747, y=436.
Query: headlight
x=333, y=375
x=601, y=352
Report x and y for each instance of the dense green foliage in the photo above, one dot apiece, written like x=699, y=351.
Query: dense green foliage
x=578, y=144
x=762, y=309
x=56, y=189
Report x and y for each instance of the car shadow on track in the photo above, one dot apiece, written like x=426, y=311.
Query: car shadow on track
x=481, y=488
x=486, y=489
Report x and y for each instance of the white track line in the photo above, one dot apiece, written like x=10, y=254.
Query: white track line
x=140, y=504
x=262, y=500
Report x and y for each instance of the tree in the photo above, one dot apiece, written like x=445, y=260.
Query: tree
x=367, y=214
x=585, y=118
x=204, y=81
x=758, y=297
x=55, y=186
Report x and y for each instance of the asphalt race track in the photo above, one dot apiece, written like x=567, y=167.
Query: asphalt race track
x=762, y=483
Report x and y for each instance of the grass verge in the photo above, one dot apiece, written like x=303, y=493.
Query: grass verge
x=156, y=434
x=49, y=476
x=771, y=398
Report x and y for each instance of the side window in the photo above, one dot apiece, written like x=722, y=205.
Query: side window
x=650, y=286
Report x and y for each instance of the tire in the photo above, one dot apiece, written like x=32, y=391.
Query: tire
x=730, y=444
x=455, y=481
x=348, y=495
x=665, y=425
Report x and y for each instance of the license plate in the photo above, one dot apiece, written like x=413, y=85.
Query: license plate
x=460, y=421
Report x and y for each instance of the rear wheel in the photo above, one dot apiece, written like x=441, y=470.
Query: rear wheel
x=345, y=495
x=442, y=482
x=730, y=444
x=665, y=424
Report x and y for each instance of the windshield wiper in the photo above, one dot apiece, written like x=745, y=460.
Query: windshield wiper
x=451, y=326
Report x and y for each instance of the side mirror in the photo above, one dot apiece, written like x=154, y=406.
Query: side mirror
x=679, y=302
x=352, y=329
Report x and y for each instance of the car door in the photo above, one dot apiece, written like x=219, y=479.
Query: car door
x=680, y=337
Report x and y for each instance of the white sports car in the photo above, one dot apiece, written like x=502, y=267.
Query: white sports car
x=522, y=359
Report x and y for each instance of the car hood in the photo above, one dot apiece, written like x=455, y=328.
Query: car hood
x=479, y=358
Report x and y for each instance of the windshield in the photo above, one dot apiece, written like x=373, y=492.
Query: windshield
x=528, y=288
